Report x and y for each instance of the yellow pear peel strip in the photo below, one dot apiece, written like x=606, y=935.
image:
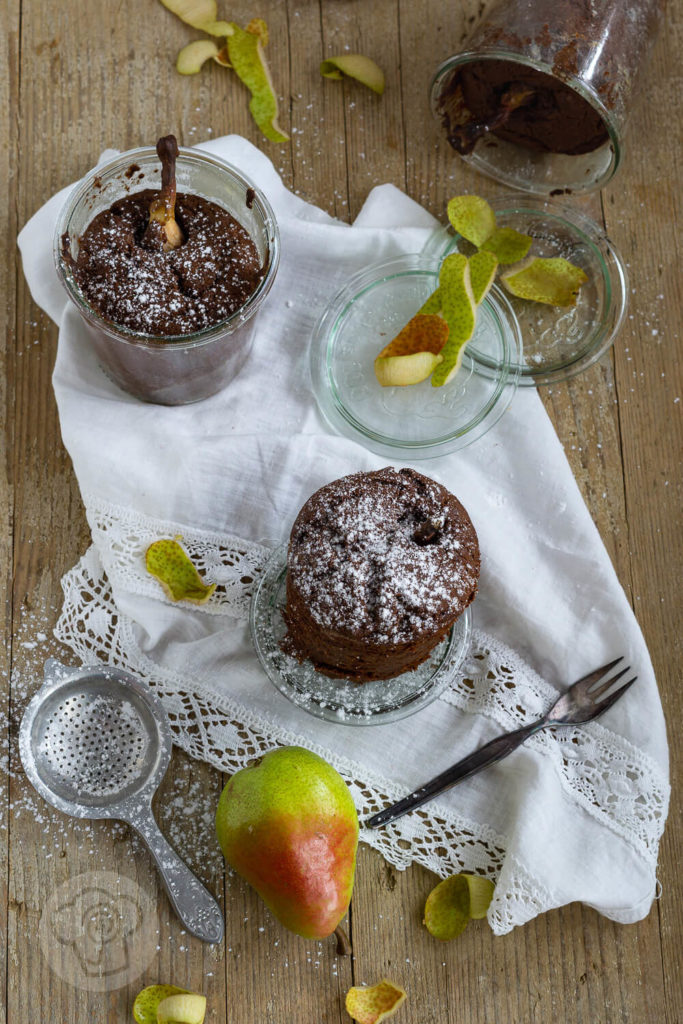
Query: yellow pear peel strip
x=399, y=371
x=201, y=14
x=188, y=1008
x=355, y=65
x=413, y=354
x=472, y=217
x=554, y=281
x=147, y=1001
x=481, y=893
x=171, y=565
x=508, y=245
x=460, y=313
x=193, y=56
x=247, y=57
x=375, y=1003
x=483, y=266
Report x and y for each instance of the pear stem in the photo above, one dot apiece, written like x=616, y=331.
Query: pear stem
x=162, y=209
x=344, y=947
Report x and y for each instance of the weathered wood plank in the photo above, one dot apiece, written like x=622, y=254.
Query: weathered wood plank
x=80, y=94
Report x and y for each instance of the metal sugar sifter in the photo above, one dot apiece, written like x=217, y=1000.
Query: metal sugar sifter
x=95, y=742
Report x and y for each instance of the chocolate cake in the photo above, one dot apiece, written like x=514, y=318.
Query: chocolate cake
x=379, y=567
x=127, y=276
x=546, y=114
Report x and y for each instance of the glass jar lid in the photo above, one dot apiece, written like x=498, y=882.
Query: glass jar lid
x=418, y=421
x=558, y=342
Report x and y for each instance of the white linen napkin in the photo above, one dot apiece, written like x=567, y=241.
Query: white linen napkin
x=575, y=814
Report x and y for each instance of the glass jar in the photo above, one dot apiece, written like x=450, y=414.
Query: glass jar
x=540, y=97
x=172, y=369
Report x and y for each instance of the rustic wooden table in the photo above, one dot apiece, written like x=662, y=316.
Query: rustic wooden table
x=77, y=78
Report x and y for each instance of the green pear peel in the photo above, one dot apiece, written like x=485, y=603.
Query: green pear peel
x=472, y=217
x=354, y=65
x=171, y=565
x=147, y=1001
x=454, y=902
x=483, y=266
x=508, y=245
x=460, y=313
x=374, y=1003
x=246, y=55
x=554, y=281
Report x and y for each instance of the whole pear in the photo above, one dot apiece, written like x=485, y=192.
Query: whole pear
x=288, y=825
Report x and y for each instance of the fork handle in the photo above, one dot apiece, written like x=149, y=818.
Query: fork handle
x=491, y=752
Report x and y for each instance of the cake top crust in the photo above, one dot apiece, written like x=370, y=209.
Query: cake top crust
x=386, y=556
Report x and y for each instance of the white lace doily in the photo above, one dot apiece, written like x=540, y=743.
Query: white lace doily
x=599, y=771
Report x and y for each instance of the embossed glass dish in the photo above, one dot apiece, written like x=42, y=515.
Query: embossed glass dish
x=419, y=421
x=342, y=700
x=558, y=343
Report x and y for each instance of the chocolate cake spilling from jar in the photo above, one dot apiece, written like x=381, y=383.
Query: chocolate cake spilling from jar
x=379, y=567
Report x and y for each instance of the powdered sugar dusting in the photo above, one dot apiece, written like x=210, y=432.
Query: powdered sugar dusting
x=125, y=274
x=386, y=556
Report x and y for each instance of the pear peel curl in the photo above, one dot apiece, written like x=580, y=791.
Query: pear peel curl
x=354, y=65
x=171, y=565
x=246, y=55
x=148, y=1000
x=454, y=902
x=243, y=51
x=372, y=1004
x=182, y=1008
x=201, y=14
x=414, y=353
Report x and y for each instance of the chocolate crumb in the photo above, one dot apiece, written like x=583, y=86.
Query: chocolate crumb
x=251, y=196
x=131, y=170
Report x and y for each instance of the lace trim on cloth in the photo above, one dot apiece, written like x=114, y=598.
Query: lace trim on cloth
x=608, y=776
x=122, y=538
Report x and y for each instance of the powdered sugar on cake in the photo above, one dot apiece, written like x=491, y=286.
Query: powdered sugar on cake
x=134, y=283
x=388, y=556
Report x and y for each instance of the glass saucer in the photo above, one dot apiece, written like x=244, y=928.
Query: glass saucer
x=420, y=421
x=558, y=342
x=342, y=700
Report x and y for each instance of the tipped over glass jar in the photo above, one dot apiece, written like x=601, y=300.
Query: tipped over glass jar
x=539, y=99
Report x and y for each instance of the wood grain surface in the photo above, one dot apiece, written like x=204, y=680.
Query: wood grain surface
x=78, y=77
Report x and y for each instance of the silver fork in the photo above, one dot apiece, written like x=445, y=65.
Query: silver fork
x=580, y=703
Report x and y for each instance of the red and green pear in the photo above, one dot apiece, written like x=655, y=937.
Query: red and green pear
x=288, y=825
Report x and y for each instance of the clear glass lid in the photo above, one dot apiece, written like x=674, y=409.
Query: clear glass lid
x=418, y=421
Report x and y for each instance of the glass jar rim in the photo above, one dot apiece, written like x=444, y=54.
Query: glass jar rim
x=178, y=341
